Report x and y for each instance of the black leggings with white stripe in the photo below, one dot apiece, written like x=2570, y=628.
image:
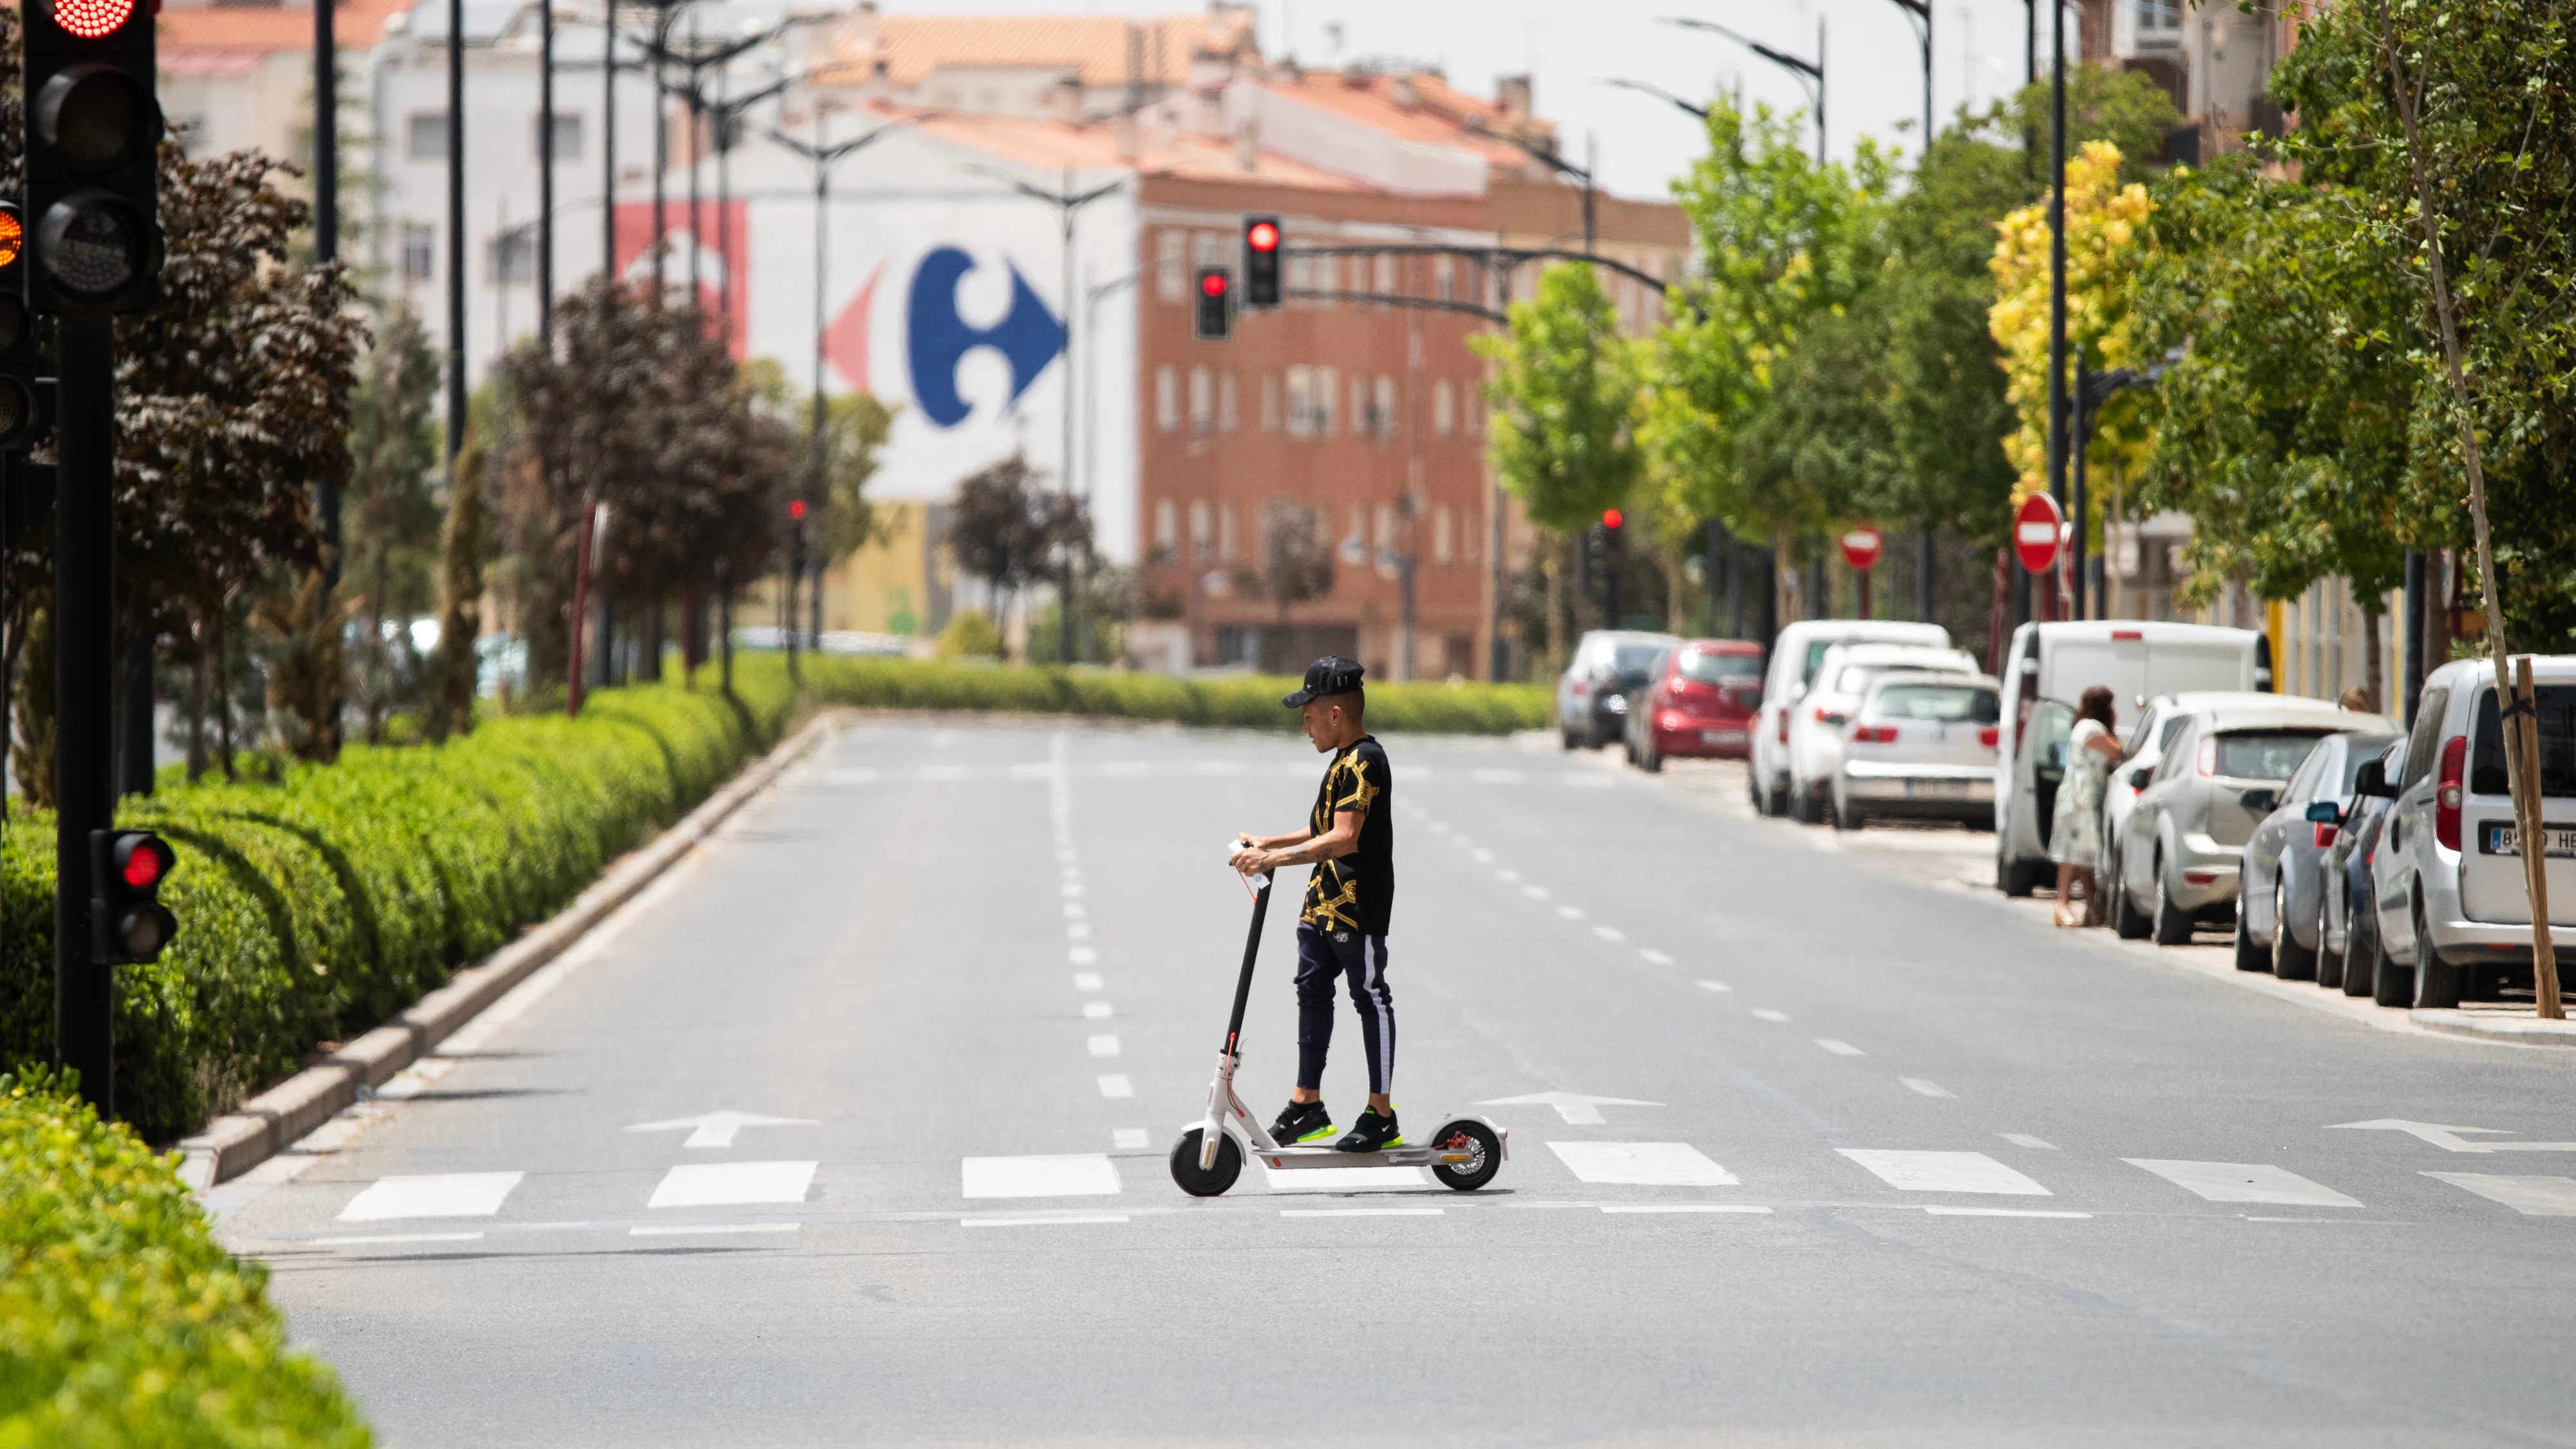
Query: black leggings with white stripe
x=1321, y=956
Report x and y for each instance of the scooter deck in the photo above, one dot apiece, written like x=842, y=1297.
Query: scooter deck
x=1325, y=1157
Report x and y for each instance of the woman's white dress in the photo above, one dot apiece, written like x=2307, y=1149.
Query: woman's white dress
x=2075, y=834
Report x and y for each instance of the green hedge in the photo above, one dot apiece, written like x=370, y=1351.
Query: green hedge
x=122, y=1323
x=1242, y=701
x=312, y=909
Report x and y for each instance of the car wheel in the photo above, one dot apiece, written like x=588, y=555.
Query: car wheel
x=2437, y=982
x=1653, y=759
x=2360, y=952
x=1811, y=808
x=2289, y=961
x=1565, y=738
x=2250, y=955
x=2126, y=918
x=1847, y=816
x=2015, y=878
x=2329, y=960
x=2172, y=923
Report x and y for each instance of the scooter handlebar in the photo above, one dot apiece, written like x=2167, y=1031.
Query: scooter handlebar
x=1237, y=846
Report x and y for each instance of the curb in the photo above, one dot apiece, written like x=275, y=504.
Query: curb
x=2522, y=1030
x=233, y=1144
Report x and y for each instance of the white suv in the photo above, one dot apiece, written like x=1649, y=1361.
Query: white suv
x=2453, y=909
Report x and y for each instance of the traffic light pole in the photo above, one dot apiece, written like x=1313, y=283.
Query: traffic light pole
x=85, y=444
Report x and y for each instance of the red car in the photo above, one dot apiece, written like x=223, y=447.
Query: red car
x=1701, y=704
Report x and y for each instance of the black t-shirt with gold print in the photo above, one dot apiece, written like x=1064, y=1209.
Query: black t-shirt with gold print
x=1354, y=892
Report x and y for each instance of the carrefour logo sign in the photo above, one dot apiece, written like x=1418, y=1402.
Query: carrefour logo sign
x=1028, y=336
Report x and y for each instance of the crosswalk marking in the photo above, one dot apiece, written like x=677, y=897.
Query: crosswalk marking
x=2538, y=1197
x=1683, y=1207
x=1926, y=1086
x=1840, y=1048
x=1115, y=1084
x=1105, y=1045
x=2024, y=1139
x=673, y=1230
x=1940, y=1211
x=1129, y=1139
x=2243, y=1182
x=1385, y=1212
x=1646, y=1164
x=1765, y=1013
x=432, y=1195
x=1066, y=1220
x=1944, y=1172
x=1342, y=1179
x=1571, y=913
x=730, y=1184
x=1083, y=1174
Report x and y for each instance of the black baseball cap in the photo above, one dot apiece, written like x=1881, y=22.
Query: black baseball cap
x=1327, y=676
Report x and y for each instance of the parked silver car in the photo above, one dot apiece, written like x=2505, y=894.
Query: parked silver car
x=2185, y=842
x=2146, y=738
x=1920, y=746
x=2280, y=895
x=2349, y=956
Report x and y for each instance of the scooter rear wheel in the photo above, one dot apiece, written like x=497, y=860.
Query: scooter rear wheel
x=1213, y=1181
x=1484, y=1154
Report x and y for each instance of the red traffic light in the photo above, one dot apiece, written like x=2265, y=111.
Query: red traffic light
x=1213, y=284
x=91, y=19
x=144, y=863
x=1612, y=518
x=796, y=508
x=1262, y=236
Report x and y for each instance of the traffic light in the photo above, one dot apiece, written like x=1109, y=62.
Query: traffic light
x=1611, y=518
x=1261, y=261
x=127, y=921
x=18, y=411
x=1215, y=321
x=93, y=147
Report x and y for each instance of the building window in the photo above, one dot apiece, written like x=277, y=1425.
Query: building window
x=1225, y=532
x=1328, y=380
x=511, y=257
x=419, y=252
x=425, y=136
x=1229, y=411
x=1269, y=402
x=1444, y=526
x=1385, y=407
x=1386, y=276
x=1444, y=278
x=567, y=136
x=1167, y=265
x=1167, y=399
x=1167, y=527
x=1444, y=408
x=1202, y=401
x=1201, y=547
x=1301, y=418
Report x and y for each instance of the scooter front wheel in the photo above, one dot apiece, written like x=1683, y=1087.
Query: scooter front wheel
x=1211, y=1181
x=1483, y=1152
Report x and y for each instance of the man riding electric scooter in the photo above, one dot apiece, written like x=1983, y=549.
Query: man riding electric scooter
x=1341, y=932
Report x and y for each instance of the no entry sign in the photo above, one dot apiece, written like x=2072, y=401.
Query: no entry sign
x=1861, y=546
x=2036, y=528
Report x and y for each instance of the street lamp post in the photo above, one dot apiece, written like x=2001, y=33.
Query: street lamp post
x=1920, y=12
x=1810, y=73
x=2057, y=265
x=1659, y=93
x=1068, y=202
x=2092, y=390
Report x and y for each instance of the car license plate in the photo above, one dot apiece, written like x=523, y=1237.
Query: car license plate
x=1936, y=789
x=1721, y=737
x=2501, y=840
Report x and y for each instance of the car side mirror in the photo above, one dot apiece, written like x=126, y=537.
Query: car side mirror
x=2325, y=812
x=2260, y=799
x=2372, y=779
x=2139, y=777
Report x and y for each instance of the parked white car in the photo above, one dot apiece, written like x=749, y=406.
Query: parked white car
x=1795, y=655
x=2452, y=906
x=2136, y=660
x=2185, y=843
x=1920, y=746
x=2145, y=739
x=1818, y=724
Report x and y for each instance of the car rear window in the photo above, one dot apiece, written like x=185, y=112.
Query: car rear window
x=1634, y=660
x=2557, y=704
x=1710, y=667
x=2264, y=754
x=1945, y=703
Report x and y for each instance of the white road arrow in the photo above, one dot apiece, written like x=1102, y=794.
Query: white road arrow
x=716, y=1129
x=1580, y=1110
x=2448, y=1139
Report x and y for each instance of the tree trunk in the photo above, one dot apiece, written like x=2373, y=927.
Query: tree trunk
x=224, y=685
x=2371, y=666
x=196, y=707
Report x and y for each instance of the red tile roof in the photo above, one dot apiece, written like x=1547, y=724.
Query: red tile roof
x=1045, y=144
x=910, y=47
x=262, y=29
x=1416, y=107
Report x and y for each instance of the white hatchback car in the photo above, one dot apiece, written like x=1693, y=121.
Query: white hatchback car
x=1817, y=725
x=1795, y=655
x=1921, y=746
x=2452, y=907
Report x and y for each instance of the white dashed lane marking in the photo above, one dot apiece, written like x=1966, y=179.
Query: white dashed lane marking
x=1767, y=1014
x=1839, y=1048
x=1115, y=1084
x=2024, y=1139
x=1096, y=1011
x=1130, y=1139
x=1683, y=1207
x=1647, y=1164
x=432, y=1195
x=1926, y=1086
x=1655, y=958
x=2538, y=1197
x=1610, y=933
x=1086, y=1174
x=1104, y=1045
x=1715, y=986
x=728, y=1184
x=1086, y=981
x=1944, y=1172
x=2243, y=1182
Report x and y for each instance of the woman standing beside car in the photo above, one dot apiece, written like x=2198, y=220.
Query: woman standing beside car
x=2075, y=834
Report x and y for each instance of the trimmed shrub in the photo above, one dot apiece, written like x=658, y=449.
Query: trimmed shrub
x=313, y=908
x=1239, y=701
x=122, y=1323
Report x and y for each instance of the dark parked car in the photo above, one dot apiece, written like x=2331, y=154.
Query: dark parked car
x=1700, y=704
x=1592, y=694
x=2349, y=955
x=2280, y=908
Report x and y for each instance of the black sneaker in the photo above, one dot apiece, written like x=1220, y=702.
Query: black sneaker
x=1301, y=1122
x=1374, y=1132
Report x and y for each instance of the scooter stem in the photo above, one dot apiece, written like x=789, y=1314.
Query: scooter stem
x=1221, y=1092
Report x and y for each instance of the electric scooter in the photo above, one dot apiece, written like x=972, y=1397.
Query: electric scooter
x=1463, y=1152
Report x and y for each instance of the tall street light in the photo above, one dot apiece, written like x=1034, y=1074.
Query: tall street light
x=1699, y=112
x=545, y=173
x=1810, y=73
x=1547, y=156
x=455, y=235
x=694, y=61
x=2057, y=262
x=1920, y=12
x=824, y=157
x=1067, y=202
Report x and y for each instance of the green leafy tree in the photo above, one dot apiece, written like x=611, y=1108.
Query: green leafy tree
x=391, y=517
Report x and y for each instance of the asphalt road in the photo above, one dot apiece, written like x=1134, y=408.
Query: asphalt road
x=1890, y=1161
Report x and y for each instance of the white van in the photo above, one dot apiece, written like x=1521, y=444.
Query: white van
x=1794, y=657
x=2137, y=659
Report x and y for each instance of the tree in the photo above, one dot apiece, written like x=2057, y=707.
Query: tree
x=393, y=521
x=1296, y=557
x=455, y=665
x=1007, y=533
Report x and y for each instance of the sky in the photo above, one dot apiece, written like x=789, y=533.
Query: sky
x=1873, y=60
